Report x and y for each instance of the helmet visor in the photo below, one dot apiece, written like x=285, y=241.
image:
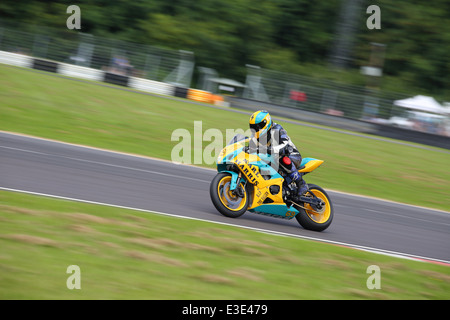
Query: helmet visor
x=258, y=126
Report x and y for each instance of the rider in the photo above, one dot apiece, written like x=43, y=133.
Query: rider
x=270, y=137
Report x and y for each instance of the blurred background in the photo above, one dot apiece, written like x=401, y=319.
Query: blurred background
x=314, y=56
x=314, y=61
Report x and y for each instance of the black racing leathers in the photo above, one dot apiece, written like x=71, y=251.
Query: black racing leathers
x=277, y=141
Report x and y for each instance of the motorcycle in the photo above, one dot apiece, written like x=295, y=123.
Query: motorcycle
x=259, y=183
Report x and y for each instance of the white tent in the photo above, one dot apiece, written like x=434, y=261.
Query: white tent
x=446, y=106
x=421, y=103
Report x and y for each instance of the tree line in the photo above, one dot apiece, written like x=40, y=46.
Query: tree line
x=293, y=36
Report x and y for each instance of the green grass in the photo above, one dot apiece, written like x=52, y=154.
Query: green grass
x=126, y=254
x=80, y=112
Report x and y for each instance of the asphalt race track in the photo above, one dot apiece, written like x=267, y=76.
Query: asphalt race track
x=51, y=168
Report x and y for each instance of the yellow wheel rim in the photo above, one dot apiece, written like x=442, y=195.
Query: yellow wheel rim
x=323, y=215
x=229, y=200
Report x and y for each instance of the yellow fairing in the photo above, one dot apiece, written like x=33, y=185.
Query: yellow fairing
x=250, y=171
x=262, y=193
x=229, y=149
x=261, y=186
x=311, y=165
x=245, y=157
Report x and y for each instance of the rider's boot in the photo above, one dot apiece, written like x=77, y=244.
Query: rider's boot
x=302, y=187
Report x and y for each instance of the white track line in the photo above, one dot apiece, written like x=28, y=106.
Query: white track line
x=375, y=250
x=353, y=246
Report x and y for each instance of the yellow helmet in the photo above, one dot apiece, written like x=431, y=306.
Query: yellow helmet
x=260, y=122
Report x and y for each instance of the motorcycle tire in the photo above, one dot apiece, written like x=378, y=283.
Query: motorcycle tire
x=225, y=201
x=311, y=219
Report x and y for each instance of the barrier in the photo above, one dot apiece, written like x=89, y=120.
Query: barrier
x=16, y=59
x=142, y=84
x=151, y=86
x=180, y=92
x=114, y=78
x=75, y=71
x=199, y=95
x=352, y=125
x=45, y=65
x=204, y=96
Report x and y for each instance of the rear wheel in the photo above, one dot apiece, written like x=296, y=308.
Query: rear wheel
x=226, y=201
x=316, y=219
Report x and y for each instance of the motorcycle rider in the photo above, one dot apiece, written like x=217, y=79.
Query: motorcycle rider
x=269, y=137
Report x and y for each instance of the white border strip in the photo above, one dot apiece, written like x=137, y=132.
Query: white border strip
x=16, y=59
x=353, y=246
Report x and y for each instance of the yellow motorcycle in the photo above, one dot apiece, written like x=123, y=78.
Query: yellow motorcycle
x=257, y=183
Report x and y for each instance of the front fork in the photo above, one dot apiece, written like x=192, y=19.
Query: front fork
x=235, y=184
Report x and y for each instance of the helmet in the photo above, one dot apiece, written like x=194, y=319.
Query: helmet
x=260, y=122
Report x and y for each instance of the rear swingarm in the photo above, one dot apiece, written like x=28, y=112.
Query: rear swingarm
x=316, y=203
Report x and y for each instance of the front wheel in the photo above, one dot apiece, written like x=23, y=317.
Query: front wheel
x=313, y=218
x=225, y=200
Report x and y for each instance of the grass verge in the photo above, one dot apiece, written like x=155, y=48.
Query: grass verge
x=126, y=254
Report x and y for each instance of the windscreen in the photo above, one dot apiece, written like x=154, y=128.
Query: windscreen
x=237, y=138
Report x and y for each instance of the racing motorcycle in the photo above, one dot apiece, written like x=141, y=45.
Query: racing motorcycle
x=259, y=183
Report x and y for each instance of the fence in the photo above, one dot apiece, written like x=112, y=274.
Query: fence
x=316, y=95
x=329, y=97
x=153, y=69
x=105, y=54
